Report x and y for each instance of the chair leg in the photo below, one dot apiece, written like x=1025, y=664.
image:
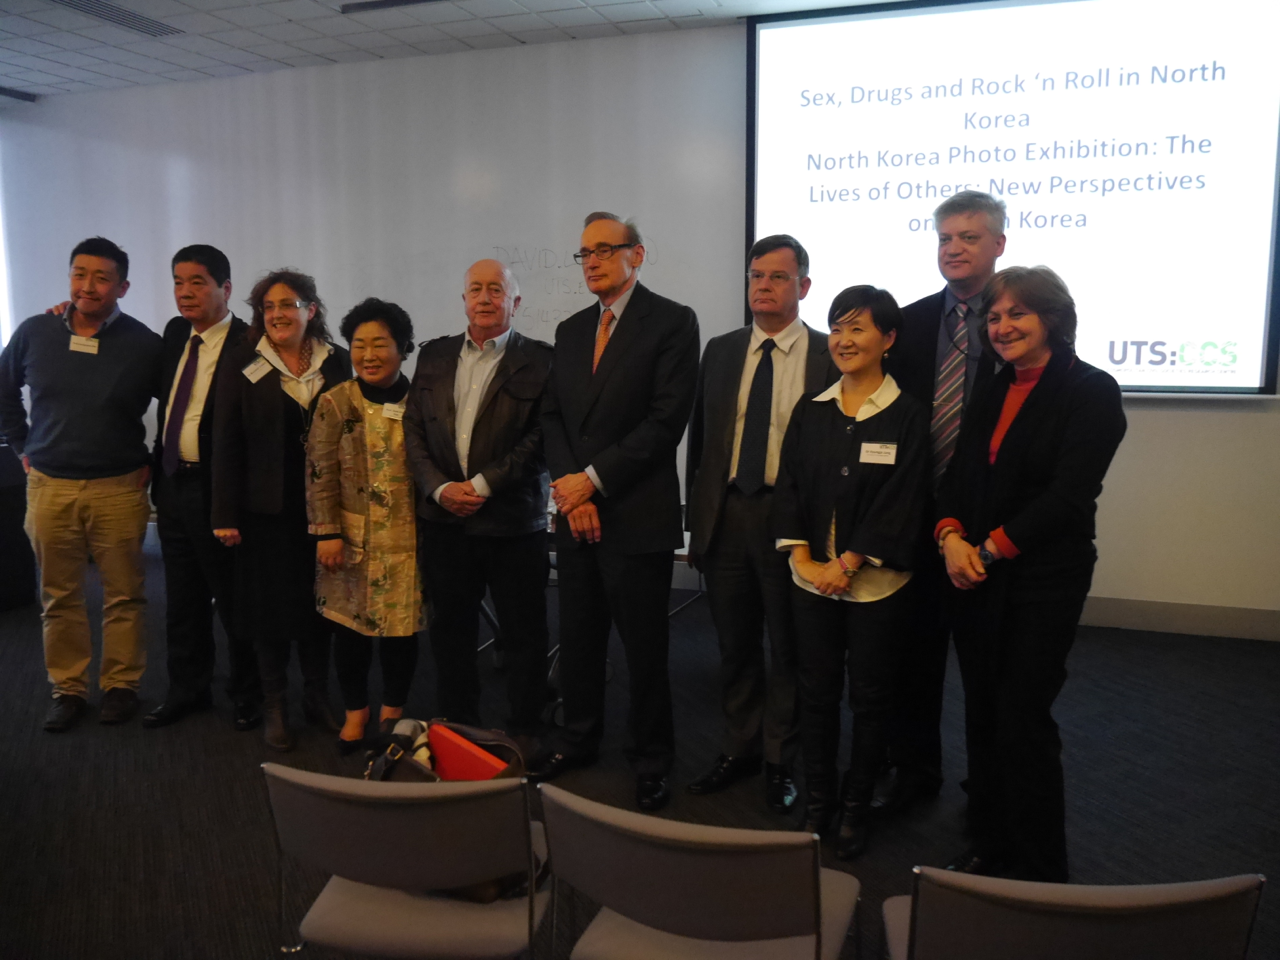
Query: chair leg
x=285, y=934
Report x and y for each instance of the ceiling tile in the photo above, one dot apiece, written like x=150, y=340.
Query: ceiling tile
x=287, y=32
x=233, y=55
x=196, y=44
x=186, y=75
x=28, y=45
x=384, y=19
x=249, y=17
x=238, y=38
x=438, y=13
x=541, y=6
x=353, y=56
x=61, y=18
x=525, y=21
x=589, y=31
x=216, y=6
x=299, y=9
x=465, y=29
x=305, y=60
x=680, y=8
x=551, y=35
x=71, y=73
x=622, y=12
x=266, y=66
x=397, y=51
x=153, y=48
x=443, y=46
x=197, y=23
x=68, y=41
x=36, y=76
x=417, y=35
x=573, y=18
x=145, y=64
x=83, y=87
x=22, y=6
x=72, y=58
x=275, y=51
x=324, y=45
x=22, y=27
x=43, y=90
x=490, y=8
x=225, y=70
x=120, y=71
x=155, y=8
x=109, y=34
x=492, y=42
x=647, y=26
x=336, y=26
x=21, y=60
x=110, y=83
x=370, y=41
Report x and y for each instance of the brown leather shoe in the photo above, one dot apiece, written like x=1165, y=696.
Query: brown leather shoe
x=119, y=704
x=67, y=708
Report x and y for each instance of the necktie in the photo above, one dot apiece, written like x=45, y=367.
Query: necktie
x=755, y=428
x=948, y=396
x=602, y=337
x=178, y=411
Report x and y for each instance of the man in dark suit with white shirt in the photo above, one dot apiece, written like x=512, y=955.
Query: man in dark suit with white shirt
x=198, y=570
x=939, y=359
x=617, y=403
x=749, y=382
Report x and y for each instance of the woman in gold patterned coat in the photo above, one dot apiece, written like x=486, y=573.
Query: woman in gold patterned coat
x=361, y=508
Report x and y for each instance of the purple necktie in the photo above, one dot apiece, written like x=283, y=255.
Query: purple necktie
x=178, y=411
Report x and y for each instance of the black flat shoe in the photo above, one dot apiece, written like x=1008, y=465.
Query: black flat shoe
x=247, y=716
x=66, y=709
x=904, y=790
x=652, y=793
x=556, y=764
x=779, y=789
x=347, y=747
x=171, y=711
x=980, y=863
x=725, y=772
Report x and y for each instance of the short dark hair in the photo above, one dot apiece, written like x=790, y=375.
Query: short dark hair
x=1042, y=292
x=780, y=241
x=211, y=258
x=301, y=284
x=885, y=313
x=102, y=247
x=391, y=314
x=633, y=232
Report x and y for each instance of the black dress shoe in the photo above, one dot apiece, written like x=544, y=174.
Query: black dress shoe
x=66, y=709
x=119, y=704
x=171, y=711
x=652, y=792
x=247, y=715
x=724, y=772
x=556, y=764
x=853, y=830
x=779, y=789
x=980, y=862
x=904, y=789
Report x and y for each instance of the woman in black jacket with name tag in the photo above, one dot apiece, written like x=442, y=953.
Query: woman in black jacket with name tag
x=850, y=507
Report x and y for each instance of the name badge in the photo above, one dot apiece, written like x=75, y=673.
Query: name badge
x=393, y=411
x=879, y=453
x=257, y=370
x=84, y=344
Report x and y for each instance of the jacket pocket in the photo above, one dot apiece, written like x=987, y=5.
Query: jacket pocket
x=353, y=529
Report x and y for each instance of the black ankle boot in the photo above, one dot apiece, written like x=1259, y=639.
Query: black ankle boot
x=275, y=725
x=819, y=804
x=854, y=825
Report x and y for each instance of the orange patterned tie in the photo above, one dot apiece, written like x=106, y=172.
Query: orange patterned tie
x=602, y=337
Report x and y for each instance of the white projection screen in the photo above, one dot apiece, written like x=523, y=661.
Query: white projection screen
x=1135, y=144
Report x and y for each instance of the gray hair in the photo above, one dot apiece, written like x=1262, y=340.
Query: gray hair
x=633, y=232
x=973, y=201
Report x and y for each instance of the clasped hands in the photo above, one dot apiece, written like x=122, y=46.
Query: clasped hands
x=831, y=578
x=461, y=499
x=965, y=568
x=572, y=496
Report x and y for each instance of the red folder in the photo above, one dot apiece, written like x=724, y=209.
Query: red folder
x=457, y=758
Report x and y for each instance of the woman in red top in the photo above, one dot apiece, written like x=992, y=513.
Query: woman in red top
x=1017, y=509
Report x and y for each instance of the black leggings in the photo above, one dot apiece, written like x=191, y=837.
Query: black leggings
x=353, y=656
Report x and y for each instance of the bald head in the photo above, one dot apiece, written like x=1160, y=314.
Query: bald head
x=491, y=297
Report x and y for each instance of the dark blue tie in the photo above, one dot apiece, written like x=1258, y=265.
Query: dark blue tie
x=755, y=429
x=178, y=412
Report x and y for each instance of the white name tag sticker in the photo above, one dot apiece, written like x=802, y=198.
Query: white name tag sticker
x=879, y=453
x=257, y=370
x=84, y=344
x=393, y=411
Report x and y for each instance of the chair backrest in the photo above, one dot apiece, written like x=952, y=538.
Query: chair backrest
x=711, y=883
x=956, y=916
x=409, y=836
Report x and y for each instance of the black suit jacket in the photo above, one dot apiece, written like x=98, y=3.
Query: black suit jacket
x=176, y=334
x=913, y=360
x=506, y=442
x=248, y=434
x=709, y=453
x=1043, y=487
x=626, y=419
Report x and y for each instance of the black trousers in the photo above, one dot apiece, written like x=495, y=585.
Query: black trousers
x=276, y=601
x=836, y=638
x=600, y=586
x=915, y=726
x=748, y=589
x=1012, y=672
x=199, y=574
x=458, y=568
x=353, y=656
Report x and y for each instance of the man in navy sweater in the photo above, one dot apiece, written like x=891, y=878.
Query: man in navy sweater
x=92, y=373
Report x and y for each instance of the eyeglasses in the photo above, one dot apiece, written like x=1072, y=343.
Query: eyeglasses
x=602, y=251
x=776, y=279
x=268, y=305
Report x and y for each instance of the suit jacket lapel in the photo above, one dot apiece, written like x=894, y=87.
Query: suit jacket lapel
x=235, y=334
x=727, y=382
x=626, y=329
x=815, y=363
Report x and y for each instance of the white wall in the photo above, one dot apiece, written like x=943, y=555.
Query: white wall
x=389, y=178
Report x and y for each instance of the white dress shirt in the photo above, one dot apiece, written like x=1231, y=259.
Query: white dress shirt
x=618, y=306
x=307, y=387
x=211, y=342
x=476, y=366
x=789, y=358
x=872, y=581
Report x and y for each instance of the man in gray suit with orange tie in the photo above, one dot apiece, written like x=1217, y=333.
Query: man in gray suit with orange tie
x=748, y=385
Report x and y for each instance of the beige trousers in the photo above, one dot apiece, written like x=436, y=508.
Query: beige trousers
x=68, y=522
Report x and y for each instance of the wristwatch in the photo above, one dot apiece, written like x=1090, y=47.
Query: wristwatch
x=986, y=556
x=848, y=570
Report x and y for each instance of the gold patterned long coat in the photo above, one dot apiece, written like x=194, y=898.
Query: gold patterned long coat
x=360, y=486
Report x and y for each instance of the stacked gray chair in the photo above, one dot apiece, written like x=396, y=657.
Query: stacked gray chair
x=680, y=891
x=388, y=844
x=954, y=916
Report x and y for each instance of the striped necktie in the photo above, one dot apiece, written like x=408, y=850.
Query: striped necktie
x=602, y=337
x=948, y=396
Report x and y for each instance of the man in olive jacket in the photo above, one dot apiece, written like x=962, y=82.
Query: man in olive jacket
x=474, y=443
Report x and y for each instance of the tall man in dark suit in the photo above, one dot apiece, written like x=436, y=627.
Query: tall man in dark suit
x=198, y=570
x=748, y=385
x=474, y=442
x=939, y=360
x=617, y=403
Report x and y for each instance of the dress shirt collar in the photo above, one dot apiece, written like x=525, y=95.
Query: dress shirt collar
x=496, y=345
x=619, y=305
x=784, y=340
x=949, y=301
x=884, y=395
x=66, y=318
x=214, y=336
x=319, y=353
